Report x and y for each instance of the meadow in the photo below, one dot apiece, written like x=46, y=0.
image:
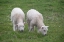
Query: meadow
x=52, y=11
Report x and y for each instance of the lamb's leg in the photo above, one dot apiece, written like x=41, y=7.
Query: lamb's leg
x=38, y=31
x=14, y=26
x=28, y=24
x=31, y=28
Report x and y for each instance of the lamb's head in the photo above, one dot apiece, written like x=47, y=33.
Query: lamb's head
x=44, y=30
x=20, y=27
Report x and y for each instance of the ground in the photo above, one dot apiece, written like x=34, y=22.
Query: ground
x=52, y=11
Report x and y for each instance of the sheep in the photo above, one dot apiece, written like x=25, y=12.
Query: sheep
x=17, y=18
x=34, y=18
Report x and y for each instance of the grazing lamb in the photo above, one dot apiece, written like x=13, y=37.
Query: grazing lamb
x=34, y=18
x=17, y=18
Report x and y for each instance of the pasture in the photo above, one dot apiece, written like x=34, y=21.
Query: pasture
x=52, y=11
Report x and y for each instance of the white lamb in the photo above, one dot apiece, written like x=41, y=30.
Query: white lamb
x=17, y=18
x=34, y=18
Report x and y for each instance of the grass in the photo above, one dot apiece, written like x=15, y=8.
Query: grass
x=52, y=11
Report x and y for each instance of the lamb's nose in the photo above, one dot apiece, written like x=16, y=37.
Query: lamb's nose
x=22, y=30
x=45, y=34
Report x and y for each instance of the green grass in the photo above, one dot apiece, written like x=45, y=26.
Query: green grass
x=52, y=11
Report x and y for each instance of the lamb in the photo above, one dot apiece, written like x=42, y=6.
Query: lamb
x=17, y=18
x=34, y=18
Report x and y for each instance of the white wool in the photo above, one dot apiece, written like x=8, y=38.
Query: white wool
x=17, y=18
x=34, y=18
x=33, y=13
x=17, y=11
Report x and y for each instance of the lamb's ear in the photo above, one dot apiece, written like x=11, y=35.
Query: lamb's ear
x=44, y=26
x=47, y=26
x=24, y=22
